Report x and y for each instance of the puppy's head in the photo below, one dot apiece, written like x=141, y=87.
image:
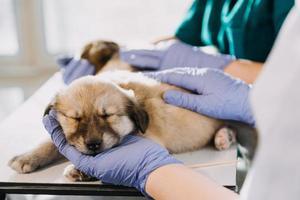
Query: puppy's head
x=96, y=114
x=99, y=52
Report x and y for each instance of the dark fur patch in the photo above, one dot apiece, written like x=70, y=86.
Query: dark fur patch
x=48, y=108
x=139, y=116
x=50, y=105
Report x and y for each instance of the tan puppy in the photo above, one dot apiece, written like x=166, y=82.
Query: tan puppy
x=96, y=112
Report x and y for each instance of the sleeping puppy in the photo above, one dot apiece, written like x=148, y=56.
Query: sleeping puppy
x=96, y=112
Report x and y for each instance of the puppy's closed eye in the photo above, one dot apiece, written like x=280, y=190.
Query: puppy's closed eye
x=105, y=115
x=75, y=118
x=78, y=119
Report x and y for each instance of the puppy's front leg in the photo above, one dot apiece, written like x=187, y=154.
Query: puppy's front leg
x=41, y=156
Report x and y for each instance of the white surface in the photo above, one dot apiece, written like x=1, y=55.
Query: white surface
x=23, y=130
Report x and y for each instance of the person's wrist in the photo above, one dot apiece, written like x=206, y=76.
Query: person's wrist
x=226, y=61
x=244, y=69
x=232, y=68
x=151, y=166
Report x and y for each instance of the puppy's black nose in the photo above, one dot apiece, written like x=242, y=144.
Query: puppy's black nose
x=93, y=146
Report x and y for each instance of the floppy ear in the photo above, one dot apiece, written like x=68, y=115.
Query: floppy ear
x=139, y=116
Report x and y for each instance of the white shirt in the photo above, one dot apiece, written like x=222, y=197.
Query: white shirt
x=275, y=173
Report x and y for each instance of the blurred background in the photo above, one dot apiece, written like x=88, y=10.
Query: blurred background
x=34, y=32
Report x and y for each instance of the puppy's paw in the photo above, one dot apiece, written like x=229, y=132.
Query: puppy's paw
x=224, y=138
x=24, y=163
x=74, y=175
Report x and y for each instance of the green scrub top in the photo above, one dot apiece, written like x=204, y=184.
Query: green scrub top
x=244, y=28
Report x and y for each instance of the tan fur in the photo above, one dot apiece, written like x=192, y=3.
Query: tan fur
x=42, y=155
x=178, y=129
x=92, y=110
x=169, y=125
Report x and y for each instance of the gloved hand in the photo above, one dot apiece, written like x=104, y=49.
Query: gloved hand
x=214, y=93
x=74, y=68
x=127, y=164
x=176, y=54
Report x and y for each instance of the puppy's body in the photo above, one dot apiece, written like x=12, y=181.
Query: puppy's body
x=96, y=112
x=177, y=129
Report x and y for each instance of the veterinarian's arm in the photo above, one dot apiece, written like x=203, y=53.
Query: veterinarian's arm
x=214, y=93
x=179, y=182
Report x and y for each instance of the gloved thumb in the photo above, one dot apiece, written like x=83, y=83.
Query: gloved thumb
x=59, y=140
x=142, y=58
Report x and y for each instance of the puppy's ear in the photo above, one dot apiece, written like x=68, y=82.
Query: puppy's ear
x=139, y=116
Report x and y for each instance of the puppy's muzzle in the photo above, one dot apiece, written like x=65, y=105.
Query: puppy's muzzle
x=93, y=145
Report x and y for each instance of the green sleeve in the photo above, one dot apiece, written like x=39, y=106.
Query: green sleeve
x=189, y=30
x=280, y=10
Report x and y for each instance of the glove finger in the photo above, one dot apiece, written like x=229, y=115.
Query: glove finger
x=69, y=70
x=77, y=69
x=50, y=123
x=81, y=161
x=59, y=140
x=184, y=55
x=53, y=113
x=182, y=99
x=201, y=104
x=80, y=68
x=187, y=78
x=63, y=61
x=90, y=69
x=149, y=59
x=55, y=130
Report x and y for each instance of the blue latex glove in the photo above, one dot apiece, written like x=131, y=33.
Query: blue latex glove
x=74, y=68
x=127, y=164
x=177, y=54
x=215, y=93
